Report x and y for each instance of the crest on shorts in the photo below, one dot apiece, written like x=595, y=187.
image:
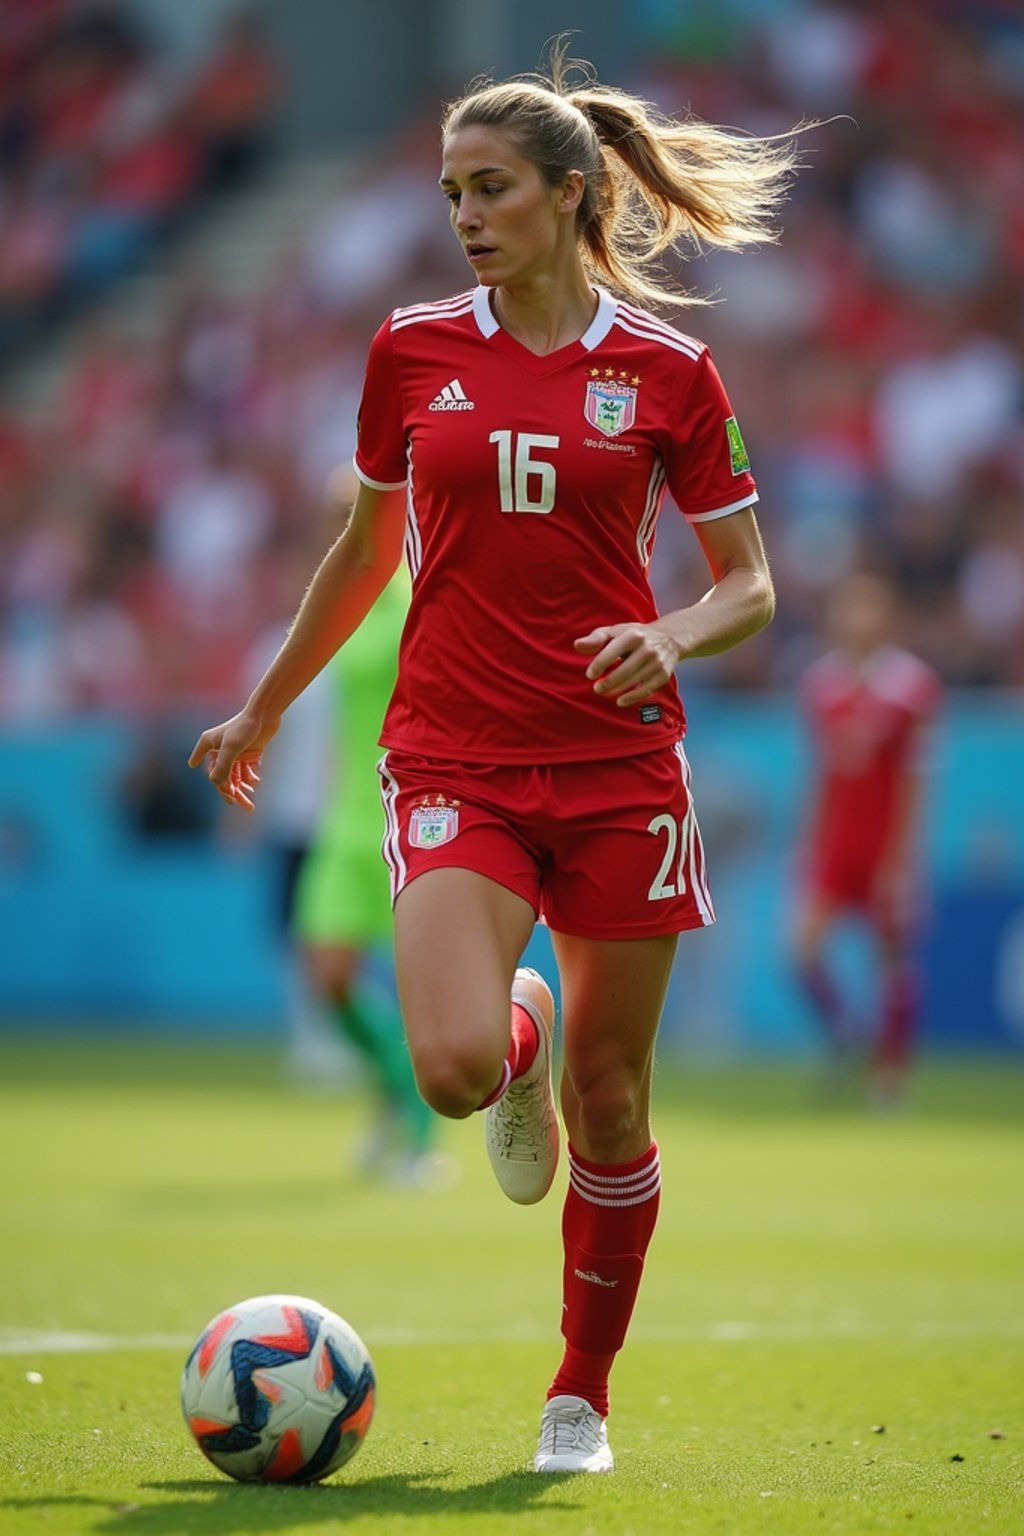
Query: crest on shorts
x=433, y=823
x=610, y=405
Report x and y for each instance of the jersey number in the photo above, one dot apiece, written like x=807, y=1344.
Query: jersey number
x=677, y=843
x=517, y=469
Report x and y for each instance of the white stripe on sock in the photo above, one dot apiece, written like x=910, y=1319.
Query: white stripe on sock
x=499, y=1091
x=616, y=1189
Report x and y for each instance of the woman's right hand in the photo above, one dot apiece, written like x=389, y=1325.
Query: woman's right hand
x=231, y=753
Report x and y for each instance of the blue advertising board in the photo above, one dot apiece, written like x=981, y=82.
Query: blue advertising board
x=102, y=921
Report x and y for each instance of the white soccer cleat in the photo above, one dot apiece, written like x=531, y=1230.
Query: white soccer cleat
x=522, y=1127
x=573, y=1438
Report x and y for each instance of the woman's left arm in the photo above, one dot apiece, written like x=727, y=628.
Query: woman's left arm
x=742, y=600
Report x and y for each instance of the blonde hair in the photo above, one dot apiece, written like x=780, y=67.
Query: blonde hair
x=652, y=182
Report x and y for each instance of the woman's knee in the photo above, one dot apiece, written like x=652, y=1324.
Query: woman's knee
x=614, y=1111
x=455, y=1081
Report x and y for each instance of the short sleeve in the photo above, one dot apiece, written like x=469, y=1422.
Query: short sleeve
x=930, y=697
x=381, y=459
x=813, y=691
x=926, y=704
x=706, y=461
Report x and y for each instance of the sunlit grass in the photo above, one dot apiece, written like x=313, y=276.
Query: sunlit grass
x=830, y=1336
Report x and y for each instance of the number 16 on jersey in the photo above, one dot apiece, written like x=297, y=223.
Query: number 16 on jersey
x=517, y=468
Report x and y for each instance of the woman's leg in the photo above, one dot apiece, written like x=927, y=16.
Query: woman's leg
x=900, y=997
x=458, y=939
x=816, y=917
x=613, y=992
x=368, y=1019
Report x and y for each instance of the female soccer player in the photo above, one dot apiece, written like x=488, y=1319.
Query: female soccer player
x=869, y=706
x=518, y=439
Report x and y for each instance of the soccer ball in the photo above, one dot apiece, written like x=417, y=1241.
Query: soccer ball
x=278, y=1390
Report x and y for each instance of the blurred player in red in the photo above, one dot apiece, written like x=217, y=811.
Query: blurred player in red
x=869, y=707
x=517, y=440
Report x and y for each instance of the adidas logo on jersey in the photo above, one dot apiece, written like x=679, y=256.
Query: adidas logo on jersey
x=452, y=398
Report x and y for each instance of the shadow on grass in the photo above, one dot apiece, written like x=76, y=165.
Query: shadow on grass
x=215, y=1507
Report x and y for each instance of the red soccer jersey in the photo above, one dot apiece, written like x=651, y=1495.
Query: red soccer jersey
x=534, y=488
x=868, y=725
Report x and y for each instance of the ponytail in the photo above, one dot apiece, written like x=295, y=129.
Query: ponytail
x=653, y=183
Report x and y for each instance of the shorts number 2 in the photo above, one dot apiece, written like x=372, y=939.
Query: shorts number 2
x=677, y=842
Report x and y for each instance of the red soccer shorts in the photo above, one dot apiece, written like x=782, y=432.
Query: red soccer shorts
x=893, y=908
x=607, y=850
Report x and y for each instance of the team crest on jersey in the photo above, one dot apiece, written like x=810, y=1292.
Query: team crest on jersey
x=610, y=404
x=434, y=822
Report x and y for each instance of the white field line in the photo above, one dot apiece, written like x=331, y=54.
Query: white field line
x=32, y=1341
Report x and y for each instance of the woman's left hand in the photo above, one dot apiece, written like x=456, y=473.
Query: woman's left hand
x=630, y=661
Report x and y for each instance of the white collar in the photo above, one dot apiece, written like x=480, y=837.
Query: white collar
x=595, y=333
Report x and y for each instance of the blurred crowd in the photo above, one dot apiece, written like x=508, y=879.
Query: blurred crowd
x=876, y=356
x=168, y=510
x=107, y=142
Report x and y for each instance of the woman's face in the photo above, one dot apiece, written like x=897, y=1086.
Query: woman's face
x=860, y=614
x=507, y=218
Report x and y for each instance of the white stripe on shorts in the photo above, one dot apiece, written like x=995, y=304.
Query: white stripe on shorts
x=698, y=871
x=390, y=846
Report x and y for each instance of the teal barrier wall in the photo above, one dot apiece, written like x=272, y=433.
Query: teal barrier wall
x=101, y=922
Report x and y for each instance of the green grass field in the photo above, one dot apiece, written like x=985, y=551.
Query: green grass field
x=830, y=1337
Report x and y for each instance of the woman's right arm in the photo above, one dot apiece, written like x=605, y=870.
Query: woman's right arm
x=351, y=577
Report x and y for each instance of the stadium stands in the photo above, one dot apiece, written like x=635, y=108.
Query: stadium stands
x=106, y=144
x=876, y=355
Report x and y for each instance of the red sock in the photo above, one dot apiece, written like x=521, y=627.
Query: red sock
x=899, y=1018
x=825, y=999
x=523, y=1047
x=607, y=1223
